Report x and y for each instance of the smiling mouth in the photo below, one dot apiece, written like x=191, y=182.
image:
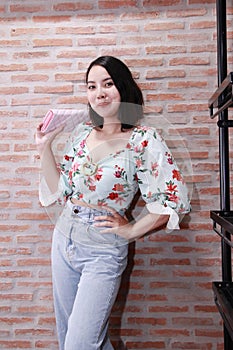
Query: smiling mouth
x=103, y=104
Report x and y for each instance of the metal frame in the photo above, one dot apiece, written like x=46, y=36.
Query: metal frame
x=223, y=124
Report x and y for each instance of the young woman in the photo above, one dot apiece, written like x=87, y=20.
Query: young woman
x=105, y=163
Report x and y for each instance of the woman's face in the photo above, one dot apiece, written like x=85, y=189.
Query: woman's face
x=102, y=94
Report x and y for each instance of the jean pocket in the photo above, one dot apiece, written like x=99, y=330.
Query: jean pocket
x=95, y=235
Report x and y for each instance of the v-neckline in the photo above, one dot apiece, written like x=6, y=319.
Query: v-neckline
x=112, y=154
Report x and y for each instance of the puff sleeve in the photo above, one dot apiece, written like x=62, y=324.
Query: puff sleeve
x=160, y=181
x=47, y=198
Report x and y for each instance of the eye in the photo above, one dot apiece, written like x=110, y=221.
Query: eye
x=109, y=83
x=91, y=87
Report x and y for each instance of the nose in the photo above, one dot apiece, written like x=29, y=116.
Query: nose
x=100, y=93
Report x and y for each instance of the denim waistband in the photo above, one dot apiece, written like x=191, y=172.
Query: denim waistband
x=77, y=222
x=87, y=214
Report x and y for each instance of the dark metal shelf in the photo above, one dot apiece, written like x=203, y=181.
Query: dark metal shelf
x=222, y=97
x=223, y=297
x=223, y=218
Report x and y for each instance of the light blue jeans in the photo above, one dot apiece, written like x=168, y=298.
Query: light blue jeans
x=87, y=267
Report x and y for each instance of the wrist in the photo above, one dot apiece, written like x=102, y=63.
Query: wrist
x=134, y=232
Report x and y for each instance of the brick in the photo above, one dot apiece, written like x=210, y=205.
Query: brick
x=51, y=65
x=208, y=333
x=201, y=2
x=11, y=43
x=51, y=42
x=165, y=74
x=120, y=28
x=30, y=101
x=46, y=344
x=203, y=25
x=29, y=78
x=25, y=8
x=54, y=89
x=14, y=297
x=33, y=332
x=76, y=30
x=97, y=41
x=203, y=48
x=164, y=97
x=167, y=333
x=15, y=344
x=69, y=77
x=28, y=31
x=114, y=4
x=192, y=12
x=152, y=321
x=192, y=320
x=164, y=26
x=51, y=19
x=31, y=55
x=161, y=49
x=35, y=309
x=160, y=2
x=146, y=345
x=72, y=6
x=191, y=345
x=76, y=53
x=12, y=19
x=13, y=67
x=14, y=90
x=189, y=61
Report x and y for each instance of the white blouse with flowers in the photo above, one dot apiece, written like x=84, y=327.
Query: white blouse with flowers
x=145, y=163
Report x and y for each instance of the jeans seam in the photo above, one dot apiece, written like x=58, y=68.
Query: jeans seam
x=110, y=296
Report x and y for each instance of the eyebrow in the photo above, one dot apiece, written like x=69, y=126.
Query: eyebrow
x=91, y=81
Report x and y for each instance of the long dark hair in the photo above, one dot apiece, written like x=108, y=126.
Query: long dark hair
x=131, y=108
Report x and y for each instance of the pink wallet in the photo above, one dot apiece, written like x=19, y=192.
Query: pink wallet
x=70, y=118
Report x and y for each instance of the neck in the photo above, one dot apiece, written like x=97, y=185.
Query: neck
x=111, y=128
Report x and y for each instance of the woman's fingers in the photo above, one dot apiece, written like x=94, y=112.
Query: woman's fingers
x=114, y=220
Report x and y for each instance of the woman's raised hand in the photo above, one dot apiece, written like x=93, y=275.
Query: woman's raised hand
x=45, y=140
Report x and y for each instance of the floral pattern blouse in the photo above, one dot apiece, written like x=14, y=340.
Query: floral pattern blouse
x=145, y=163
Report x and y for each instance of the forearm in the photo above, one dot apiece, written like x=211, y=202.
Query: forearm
x=146, y=224
x=49, y=169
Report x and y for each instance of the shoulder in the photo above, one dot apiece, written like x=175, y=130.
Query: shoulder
x=143, y=132
x=80, y=131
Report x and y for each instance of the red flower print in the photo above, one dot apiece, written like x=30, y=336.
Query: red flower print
x=118, y=171
x=144, y=143
x=171, y=187
x=173, y=198
x=82, y=144
x=98, y=177
x=92, y=187
x=67, y=157
x=79, y=153
x=170, y=161
x=149, y=194
x=169, y=158
x=118, y=187
x=154, y=169
x=117, y=174
x=75, y=167
x=138, y=162
x=177, y=175
x=113, y=195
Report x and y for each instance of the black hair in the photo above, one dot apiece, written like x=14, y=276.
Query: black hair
x=131, y=108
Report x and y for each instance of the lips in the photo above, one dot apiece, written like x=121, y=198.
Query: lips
x=103, y=104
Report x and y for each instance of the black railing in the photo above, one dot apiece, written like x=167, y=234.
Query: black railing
x=219, y=103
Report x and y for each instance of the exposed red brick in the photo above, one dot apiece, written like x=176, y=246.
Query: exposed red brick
x=166, y=299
